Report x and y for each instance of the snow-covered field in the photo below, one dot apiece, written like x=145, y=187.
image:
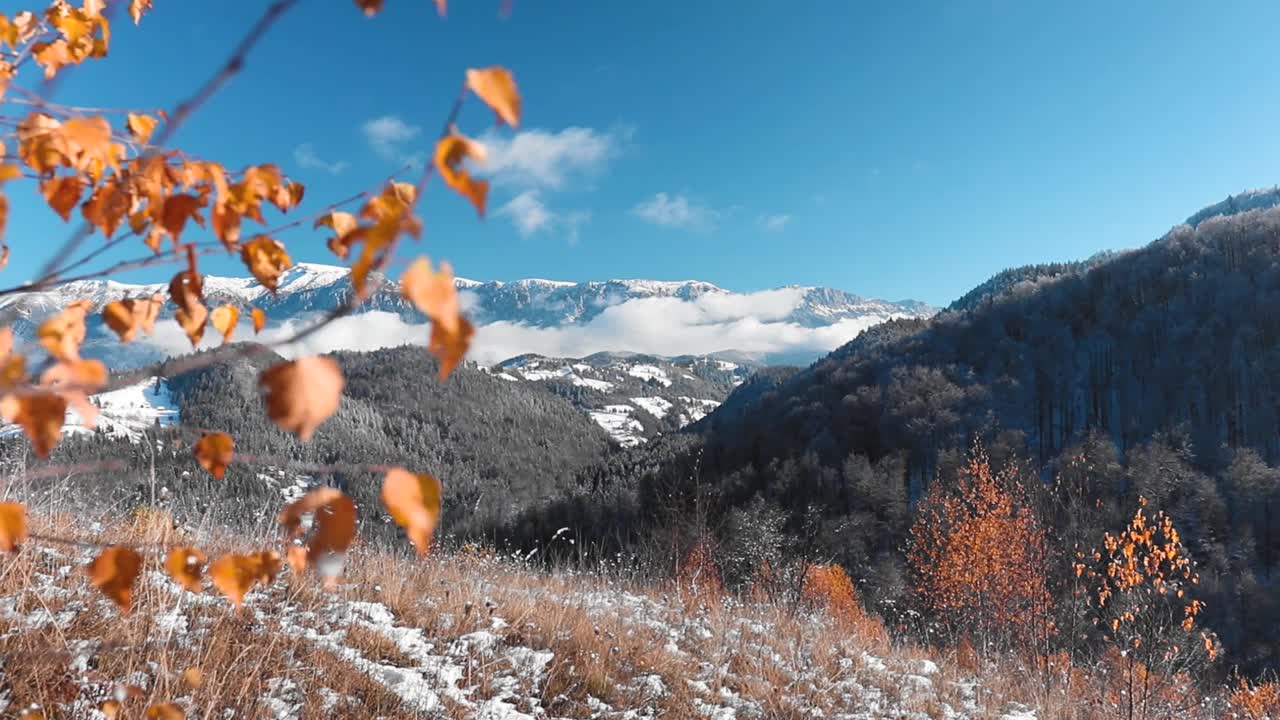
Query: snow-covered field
x=617, y=421
x=462, y=636
x=126, y=412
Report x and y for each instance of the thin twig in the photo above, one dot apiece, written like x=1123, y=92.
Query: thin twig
x=47, y=471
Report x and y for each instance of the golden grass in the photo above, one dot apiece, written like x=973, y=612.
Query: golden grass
x=607, y=645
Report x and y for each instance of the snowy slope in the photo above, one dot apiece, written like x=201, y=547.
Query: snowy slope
x=124, y=413
x=475, y=639
x=633, y=397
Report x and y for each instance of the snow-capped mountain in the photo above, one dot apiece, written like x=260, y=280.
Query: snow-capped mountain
x=612, y=315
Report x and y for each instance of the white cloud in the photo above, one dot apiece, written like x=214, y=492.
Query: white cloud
x=750, y=322
x=365, y=331
x=675, y=211
x=388, y=134
x=530, y=215
x=306, y=157
x=773, y=223
x=669, y=326
x=547, y=160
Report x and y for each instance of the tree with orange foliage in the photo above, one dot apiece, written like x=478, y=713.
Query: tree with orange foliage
x=1140, y=591
x=977, y=554
x=1255, y=699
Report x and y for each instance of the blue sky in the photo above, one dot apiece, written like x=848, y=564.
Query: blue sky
x=898, y=150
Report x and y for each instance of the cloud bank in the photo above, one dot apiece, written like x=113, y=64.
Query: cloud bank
x=751, y=322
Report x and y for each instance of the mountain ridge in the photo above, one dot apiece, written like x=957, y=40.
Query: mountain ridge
x=625, y=312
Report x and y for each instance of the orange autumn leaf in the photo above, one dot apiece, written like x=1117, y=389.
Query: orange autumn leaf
x=450, y=152
x=8, y=33
x=297, y=557
x=434, y=293
x=63, y=333
x=106, y=208
x=413, y=500
x=176, y=210
x=259, y=320
x=53, y=56
x=193, y=677
x=369, y=7
x=342, y=224
x=40, y=414
x=137, y=7
x=335, y=527
x=450, y=347
x=292, y=515
x=390, y=215
x=110, y=708
x=74, y=380
x=192, y=321
x=266, y=259
x=224, y=319
x=234, y=575
x=62, y=194
x=214, y=452
x=497, y=88
x=268, y=566
x=13, y=366
x=226, y=225
x=287, y=195
x=186, y=289
x=140, y=127
x=113, y=572
x=165, y=711
x=303, y=393
x=185, y=565
x=126, y=317
x=13, y=526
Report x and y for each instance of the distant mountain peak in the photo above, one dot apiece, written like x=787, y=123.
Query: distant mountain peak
x=800, y=316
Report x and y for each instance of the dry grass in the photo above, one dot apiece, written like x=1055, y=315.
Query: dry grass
x=450, y=636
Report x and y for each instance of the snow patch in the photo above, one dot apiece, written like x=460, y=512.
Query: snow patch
x=650, y=372
x=624, y=429
x=655, y=406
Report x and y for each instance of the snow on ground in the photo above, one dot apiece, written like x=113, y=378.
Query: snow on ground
x=649, y=372
x=696, y=409
x=623, y=428
x=126, y=412
x=533, y=372
x=291, y=486
x=497, y=664
x=602, y=385
x=655, y=406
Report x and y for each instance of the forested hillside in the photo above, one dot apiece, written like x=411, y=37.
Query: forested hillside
x=1152, y=374
x=502, y=446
